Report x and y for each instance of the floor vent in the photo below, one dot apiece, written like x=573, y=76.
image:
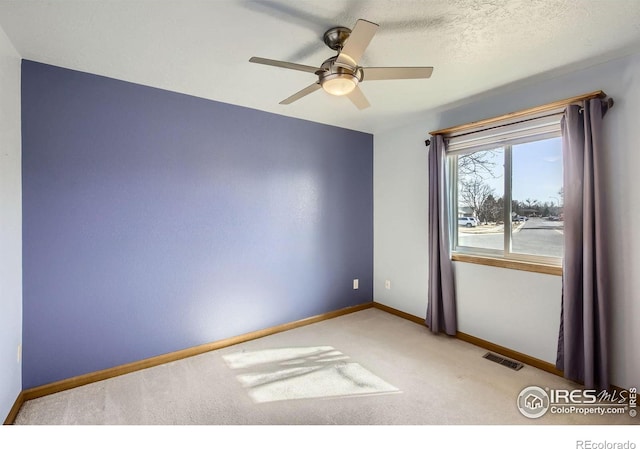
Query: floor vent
x=502, y=361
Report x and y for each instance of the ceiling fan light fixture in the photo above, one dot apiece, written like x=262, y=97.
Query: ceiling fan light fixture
x=339, y=83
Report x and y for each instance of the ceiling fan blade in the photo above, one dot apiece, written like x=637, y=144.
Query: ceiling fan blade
x=396, y=73
x=357, y=42
x=357, y=97
x=303, y=93
x=284, y=65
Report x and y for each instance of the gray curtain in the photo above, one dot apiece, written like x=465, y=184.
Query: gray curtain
x=441, y=304
x=583, y=342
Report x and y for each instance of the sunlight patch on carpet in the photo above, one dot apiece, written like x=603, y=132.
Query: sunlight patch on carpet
x=303, y=372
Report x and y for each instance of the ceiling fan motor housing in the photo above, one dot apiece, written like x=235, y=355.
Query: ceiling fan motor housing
x=338, y=79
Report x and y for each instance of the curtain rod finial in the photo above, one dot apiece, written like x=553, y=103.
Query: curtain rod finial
x=606, y=105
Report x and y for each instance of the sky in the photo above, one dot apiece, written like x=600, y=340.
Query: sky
x=537, y=172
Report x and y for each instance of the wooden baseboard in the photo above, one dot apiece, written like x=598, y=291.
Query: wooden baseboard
x=13, y=413
x=400, y=313
x=506, y=352
x=84, y=379
x=510, y=353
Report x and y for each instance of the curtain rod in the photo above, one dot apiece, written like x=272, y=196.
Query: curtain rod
x=523, y=113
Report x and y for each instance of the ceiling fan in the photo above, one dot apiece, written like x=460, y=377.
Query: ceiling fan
x=341, y=74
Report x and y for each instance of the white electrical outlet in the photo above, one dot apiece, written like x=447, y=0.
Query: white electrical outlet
x=19, y=352
x=355, y=284
x=387, y=284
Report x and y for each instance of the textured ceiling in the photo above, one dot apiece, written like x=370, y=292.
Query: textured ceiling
x=202, y=48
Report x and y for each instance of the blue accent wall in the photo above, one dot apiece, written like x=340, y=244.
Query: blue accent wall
x=155, y=221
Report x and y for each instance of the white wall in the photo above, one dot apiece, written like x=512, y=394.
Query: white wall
x=400, y=213
x=515, y=309
x=523, y=308
x=10, y=226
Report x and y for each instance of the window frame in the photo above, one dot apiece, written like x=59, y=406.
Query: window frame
x=533, y=129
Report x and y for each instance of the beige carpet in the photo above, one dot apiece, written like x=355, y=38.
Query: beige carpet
x=366, y=368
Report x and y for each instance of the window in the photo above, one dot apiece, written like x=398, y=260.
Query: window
x=506, y=191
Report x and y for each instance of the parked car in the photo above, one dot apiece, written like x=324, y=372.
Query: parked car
x=469, y=222
x=517, y=218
